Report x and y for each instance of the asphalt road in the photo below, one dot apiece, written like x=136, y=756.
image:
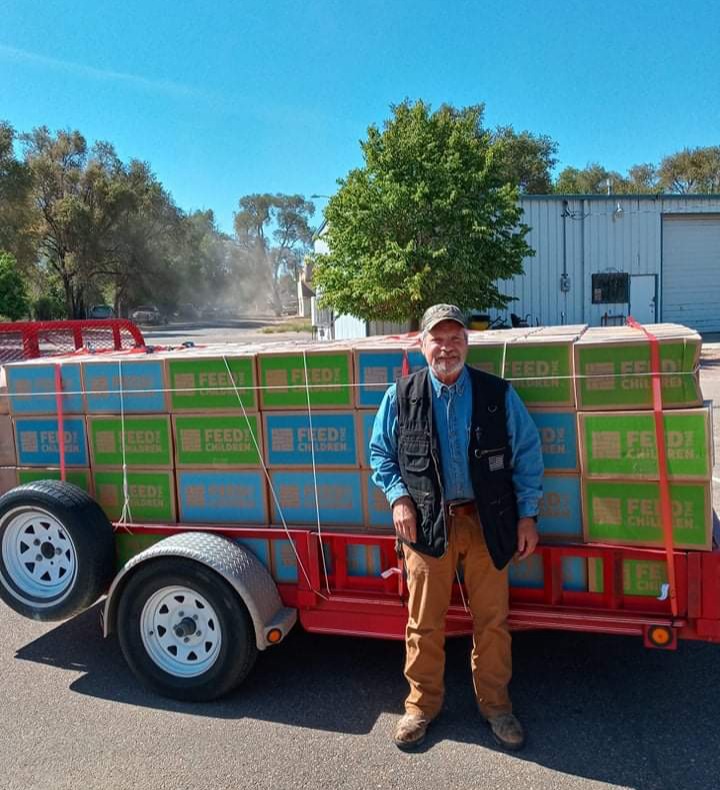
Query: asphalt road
x=317, y=712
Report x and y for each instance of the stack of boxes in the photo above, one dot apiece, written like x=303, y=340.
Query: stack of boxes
x=225, y=435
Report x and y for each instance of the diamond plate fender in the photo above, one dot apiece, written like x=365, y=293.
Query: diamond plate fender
x=238, y=566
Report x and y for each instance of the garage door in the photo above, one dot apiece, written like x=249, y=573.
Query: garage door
x=691, y=271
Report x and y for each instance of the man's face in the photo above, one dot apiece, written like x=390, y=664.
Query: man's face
x=445, y=348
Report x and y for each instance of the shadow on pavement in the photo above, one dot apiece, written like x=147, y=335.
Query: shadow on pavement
x=594, y=706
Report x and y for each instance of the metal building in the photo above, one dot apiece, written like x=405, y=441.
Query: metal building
x=600, y=258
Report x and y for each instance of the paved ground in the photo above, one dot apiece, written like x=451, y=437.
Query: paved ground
x=316, y=713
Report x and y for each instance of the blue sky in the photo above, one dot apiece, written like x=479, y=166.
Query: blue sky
x=229, y=97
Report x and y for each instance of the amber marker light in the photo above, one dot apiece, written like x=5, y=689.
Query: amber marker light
x=660, y=635
x=274, y=635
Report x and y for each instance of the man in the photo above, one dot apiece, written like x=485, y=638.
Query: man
x=459, y=460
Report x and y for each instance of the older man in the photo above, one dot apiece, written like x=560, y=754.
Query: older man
x=459, y=460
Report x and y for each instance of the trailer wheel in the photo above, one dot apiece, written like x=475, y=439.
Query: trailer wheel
x=57, y=550
x=184, y=632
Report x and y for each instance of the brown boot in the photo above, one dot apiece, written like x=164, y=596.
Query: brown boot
x=410, y=731
x=507, y=731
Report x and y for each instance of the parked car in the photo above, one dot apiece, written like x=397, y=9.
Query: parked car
x=147, y=314
x=101, y=312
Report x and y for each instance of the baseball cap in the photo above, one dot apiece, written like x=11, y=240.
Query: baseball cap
x=441, y=312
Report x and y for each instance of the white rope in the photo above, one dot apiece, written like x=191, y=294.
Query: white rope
x=126, y=511
x=314, y=468
x=270, y=483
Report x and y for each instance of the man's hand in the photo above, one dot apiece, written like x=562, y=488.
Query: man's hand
x=405, y=519
x=527, y=538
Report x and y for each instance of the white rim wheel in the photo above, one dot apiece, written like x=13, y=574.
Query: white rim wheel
x=180, y=631
x=39, y=555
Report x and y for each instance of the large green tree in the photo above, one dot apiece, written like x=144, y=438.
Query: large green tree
x=274, y=233
x=526, y=160
x=16, y=208
x=429, y=218
x=13, y=295
x=691, y=170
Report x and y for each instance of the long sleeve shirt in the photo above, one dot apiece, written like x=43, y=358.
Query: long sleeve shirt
x=452, y=415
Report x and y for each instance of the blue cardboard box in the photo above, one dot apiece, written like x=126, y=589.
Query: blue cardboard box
x=284, y=562
x=143, y=386
x=36, y=441
x=561, y=510
x=289, y=442
x=377, y=510
x=339, y=498
x=363, y=560
x=559, y=436
x=366, y=421
x=222, y=496
x=31, y=387
x=376, y=368
x=530, y=574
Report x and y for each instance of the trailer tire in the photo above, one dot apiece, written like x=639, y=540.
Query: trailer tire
x=57, y=550
x=184, y=632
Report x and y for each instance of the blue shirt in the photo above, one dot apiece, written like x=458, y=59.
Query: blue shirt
x=452, y=414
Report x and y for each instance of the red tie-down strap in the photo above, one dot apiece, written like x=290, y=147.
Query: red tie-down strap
x=665, y=500
x=60, y=418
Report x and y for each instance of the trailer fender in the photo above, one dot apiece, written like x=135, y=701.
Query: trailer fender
x=239, y=567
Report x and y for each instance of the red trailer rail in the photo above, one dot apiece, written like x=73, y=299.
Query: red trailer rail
x=31, y=339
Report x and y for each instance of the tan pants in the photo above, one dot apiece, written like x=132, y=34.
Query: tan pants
x=430, y=583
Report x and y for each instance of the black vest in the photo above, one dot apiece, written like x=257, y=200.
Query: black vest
x=489, y=457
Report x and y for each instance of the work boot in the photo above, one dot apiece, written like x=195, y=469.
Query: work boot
x=507, y=731
x=410, y=731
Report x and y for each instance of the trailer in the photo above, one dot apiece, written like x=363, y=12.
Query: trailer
x=192, y=605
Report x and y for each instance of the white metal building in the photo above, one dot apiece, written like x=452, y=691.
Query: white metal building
x=600, y=258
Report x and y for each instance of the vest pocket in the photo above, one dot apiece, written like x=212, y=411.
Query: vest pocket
x=416, y=455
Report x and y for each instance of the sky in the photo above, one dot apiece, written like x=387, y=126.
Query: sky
x=229, y=97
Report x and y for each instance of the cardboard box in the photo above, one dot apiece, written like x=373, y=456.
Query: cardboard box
x=222, y=496
x=530, y=573
x=284, y=565
x=628, y=513
x=7, y=441
x=288, y=439
x=151, y=495
x=259, y=547
x=36, y=441
x=644, y=578
x=143, y=385
x=283, y=385
x=31, y=387
x=217, y=441
x=79, y=477
x=560, y=516
x=558, y=433
x=363, y=560
x=4, y=395
x=339, y=498
x=366, y=421
x=378, y=514
x=8, y=478
x=624, y=444
x=128, y=544
x=379, y=367
x=148, y=442
x=202, y=383
x=613, y=368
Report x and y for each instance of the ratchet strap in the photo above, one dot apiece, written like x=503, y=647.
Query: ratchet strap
x=664, y=484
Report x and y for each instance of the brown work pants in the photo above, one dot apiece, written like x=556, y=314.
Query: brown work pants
x=430, y=581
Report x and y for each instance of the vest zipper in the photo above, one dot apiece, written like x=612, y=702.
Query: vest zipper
x=442, y=497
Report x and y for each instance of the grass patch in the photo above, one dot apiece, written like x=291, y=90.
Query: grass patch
x=296, y=325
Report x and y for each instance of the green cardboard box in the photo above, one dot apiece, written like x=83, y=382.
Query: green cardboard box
x=202, y=383
x=151, y=495
x=148, y=442
x=217, y=441
x=640, y=577
x=79, y=477
x=613, y=368
x=283, y=381
x=628, y=513
x=624, y=444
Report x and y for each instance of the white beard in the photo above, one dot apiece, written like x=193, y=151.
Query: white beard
x=447, y=367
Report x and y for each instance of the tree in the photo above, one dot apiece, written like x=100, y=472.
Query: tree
x=691, y=170
x=526, y=159
x=13, y=296
x=428, y=218
x=274, y=233
x=591, y=180
x=16, y=210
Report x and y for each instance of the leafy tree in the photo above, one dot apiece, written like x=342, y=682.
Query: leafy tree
x=691, y=170
x=13, y=295
x=591, y=180
x=642, y=179
x=16, y=210
x=274, y=233
x=526, y=159
x=428, y=218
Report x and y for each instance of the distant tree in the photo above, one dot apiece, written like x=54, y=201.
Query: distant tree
x=428, y=218
x=591, y=180
x=274, y=233
x=526, y=160
x=691, y=170
x=16, y=209
x=13, y=295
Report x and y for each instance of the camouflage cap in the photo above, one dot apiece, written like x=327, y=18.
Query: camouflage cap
x=441, y=312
